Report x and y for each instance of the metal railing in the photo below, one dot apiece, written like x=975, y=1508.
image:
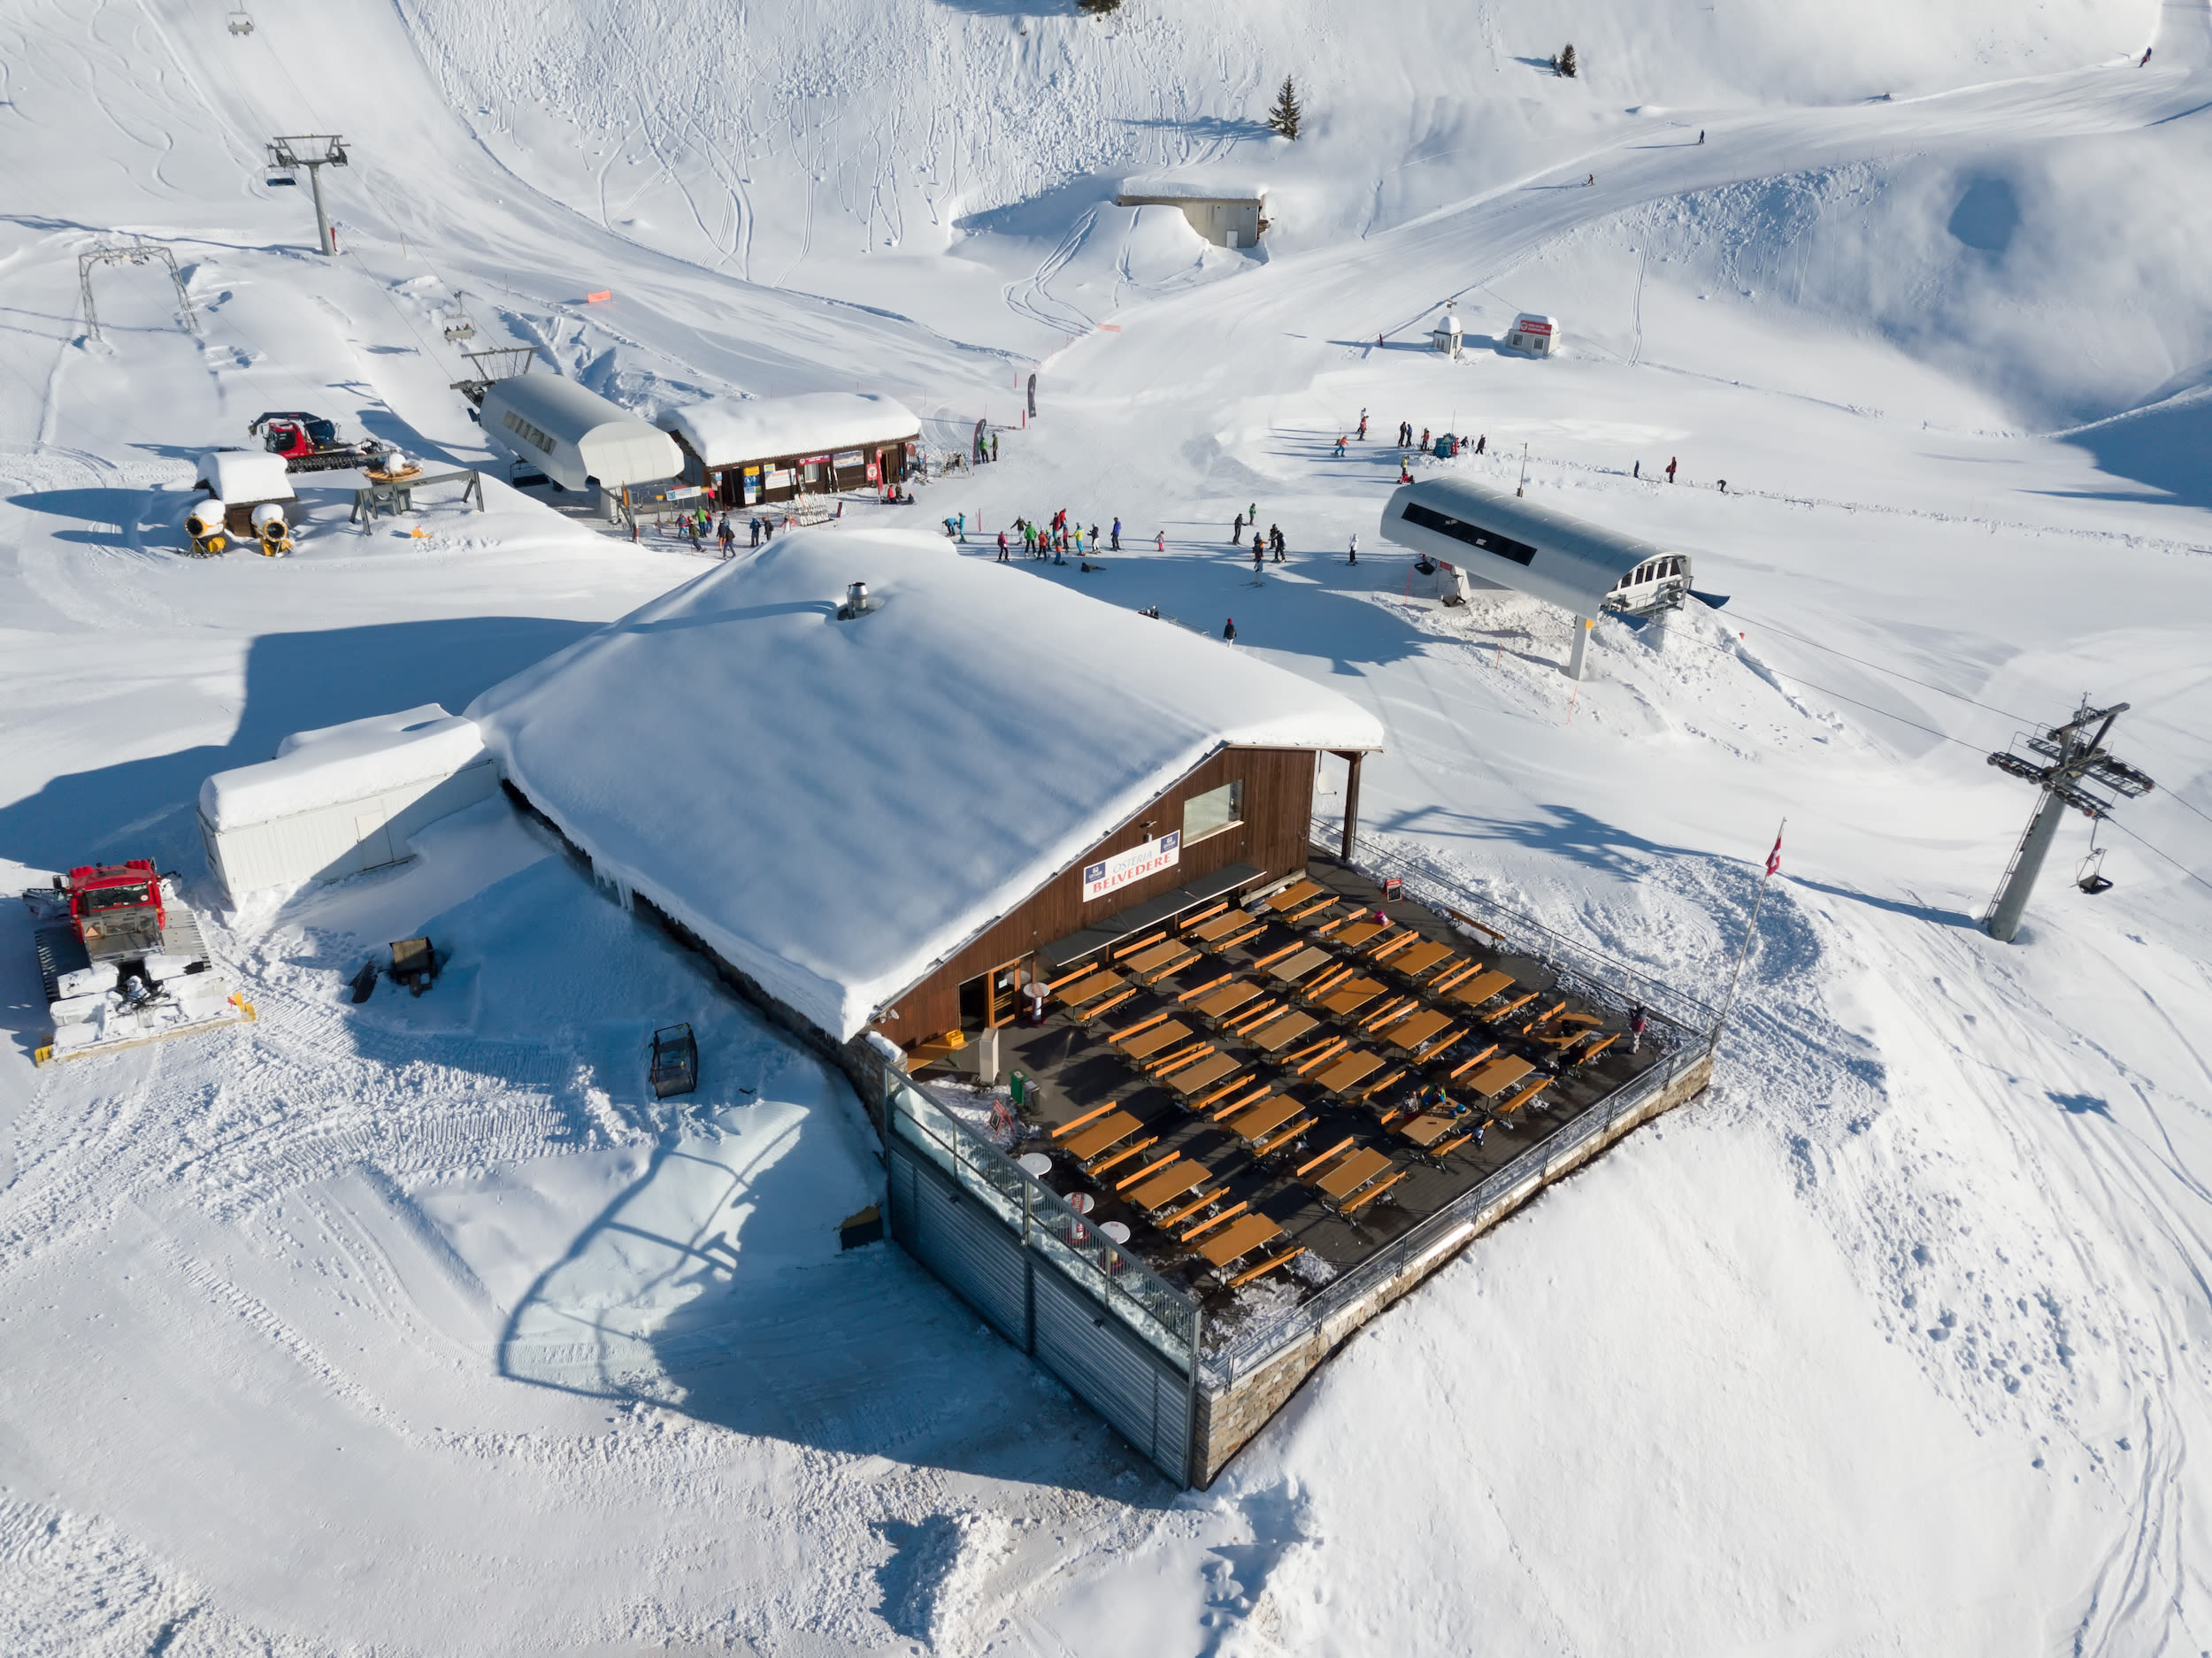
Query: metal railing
x=1590, y=973
x=1164, y=1317
x=1443, y=1231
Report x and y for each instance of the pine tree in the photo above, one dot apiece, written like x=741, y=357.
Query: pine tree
x=1567, y=61
x=1287, y=113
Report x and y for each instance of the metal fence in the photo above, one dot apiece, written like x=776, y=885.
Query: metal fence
x=1589, y=973
x=1164, y=1317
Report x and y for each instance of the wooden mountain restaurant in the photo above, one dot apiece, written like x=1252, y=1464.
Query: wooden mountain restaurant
x=756, y=451
x=1174, y=1096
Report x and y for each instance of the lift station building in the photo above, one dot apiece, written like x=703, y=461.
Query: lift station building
x=756, y=451
x=574, y=435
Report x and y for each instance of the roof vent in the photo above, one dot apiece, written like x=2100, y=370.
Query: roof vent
x=856, y=602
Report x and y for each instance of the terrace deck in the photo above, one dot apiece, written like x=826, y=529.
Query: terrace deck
x=1074, y=1069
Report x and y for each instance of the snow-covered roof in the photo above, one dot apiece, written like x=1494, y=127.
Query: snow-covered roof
x=1536, y=315
x=1199, y=190
x=727, y=431
x=574, y=435
x=1510, y=541
x=833, y=806
x=245, y=476
x=336, y=764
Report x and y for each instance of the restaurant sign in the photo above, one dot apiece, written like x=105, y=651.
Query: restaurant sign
x=1148, y=858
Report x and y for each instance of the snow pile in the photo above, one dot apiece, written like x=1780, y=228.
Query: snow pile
x=835, y=805
x=724, y=430
x=351, y=762
x=243, y=475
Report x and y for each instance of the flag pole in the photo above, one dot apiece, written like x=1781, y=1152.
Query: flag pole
x=1774, y=862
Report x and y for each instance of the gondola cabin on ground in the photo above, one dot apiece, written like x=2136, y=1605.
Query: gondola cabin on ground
x=757, y=451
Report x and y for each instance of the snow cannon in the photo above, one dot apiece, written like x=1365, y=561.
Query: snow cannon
x=269, y=525
x=204, y=523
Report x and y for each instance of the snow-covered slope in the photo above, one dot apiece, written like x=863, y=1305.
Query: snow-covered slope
x=420, y=1326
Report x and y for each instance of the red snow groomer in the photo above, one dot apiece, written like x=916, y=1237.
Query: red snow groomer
x=310, y=444
x=123, y=962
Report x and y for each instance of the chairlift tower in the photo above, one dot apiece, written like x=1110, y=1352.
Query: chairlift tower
x=2069, y=758
x=133, y=252
x=314, y=151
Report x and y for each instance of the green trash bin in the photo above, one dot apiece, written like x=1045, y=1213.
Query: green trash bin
x=1017, y=1084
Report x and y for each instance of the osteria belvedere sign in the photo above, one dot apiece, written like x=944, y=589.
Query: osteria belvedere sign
x=1148, y=858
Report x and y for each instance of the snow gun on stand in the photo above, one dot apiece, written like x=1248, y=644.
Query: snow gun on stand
x=310, y=444
x=123, y=963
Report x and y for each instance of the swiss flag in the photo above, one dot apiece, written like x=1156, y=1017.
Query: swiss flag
x=1774, y=858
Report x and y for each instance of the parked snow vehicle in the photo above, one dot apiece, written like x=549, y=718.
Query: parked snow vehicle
x=123, y=963
x=310, y=444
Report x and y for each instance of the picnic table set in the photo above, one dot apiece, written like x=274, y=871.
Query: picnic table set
x=1354, y=1011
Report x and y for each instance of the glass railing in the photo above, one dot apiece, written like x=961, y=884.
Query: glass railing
x=1158, y=1312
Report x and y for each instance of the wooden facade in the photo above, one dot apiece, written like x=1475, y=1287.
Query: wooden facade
x=768, y=479
x=1271, y=836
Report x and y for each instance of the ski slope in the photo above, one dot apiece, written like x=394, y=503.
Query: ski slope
x=422, y=1327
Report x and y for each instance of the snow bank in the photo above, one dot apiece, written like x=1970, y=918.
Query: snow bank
x=314, y=769
x=724, y=430
x=833, y=806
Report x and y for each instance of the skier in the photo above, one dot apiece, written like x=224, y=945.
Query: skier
x=1229, y=630
x=1362, y=425
x=1076, y=536
x=1405, y=469
x=1639, y=472
x=1592, y=179
x=1671, y=464
x=1723, y=486
x=1160, y=540
x=1353, y=559
x=1425, y=437
x=1236, y=532
x=993, y=447
x=755, y=530
x=1636, y=1024
x=1117, y=535
x=1093, y=538
x=1252, y=515
x=724, y=534
x=1482, y=441
x=1259, y=553
x=1002, y=546
x=1340, y=446
x=1701, y=134
x=2146, y=57
x=1275, y=543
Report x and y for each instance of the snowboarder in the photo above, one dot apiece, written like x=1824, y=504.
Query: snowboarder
x=1636, y=1024
x=1671, y=464
x=1592, y=179
x=1117, y=535
x=1229, y=630
x=1354, y=558
x=1236, y=532
x=1405, y=469
x=1362, y=425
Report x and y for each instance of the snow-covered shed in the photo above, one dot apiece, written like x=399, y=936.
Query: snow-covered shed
x=1229, y=214
x=242, y=480
x=574, y=435
x=1533, y=333
x=340, y=800
x=756, y=449
x=911, y=811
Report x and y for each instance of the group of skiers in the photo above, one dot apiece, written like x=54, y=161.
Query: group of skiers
x=1057, y=537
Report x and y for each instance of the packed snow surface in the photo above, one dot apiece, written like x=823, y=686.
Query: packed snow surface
x=420, y=1326
x=723, y=431
x=360, y=758
x=835, y=805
